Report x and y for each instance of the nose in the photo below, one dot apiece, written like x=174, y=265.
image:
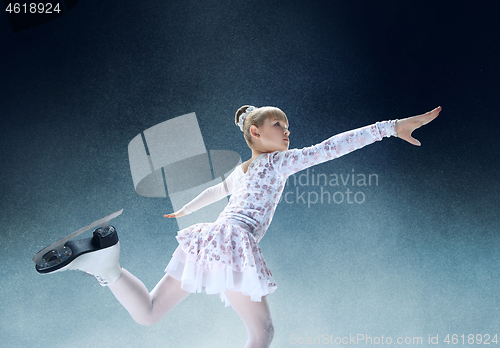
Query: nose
x=287, y=132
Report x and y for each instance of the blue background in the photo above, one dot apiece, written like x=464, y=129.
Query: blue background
x=419, y=257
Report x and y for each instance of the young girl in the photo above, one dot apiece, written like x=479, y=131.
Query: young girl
x=224, y=257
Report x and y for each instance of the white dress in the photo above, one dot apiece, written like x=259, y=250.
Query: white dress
x=225, y=255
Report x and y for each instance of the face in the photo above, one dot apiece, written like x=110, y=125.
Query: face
x=274, y=135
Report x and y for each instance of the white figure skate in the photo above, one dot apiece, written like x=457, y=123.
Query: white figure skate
x=98, y=255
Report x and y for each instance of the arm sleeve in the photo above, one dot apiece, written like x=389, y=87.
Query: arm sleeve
x=211, y=194
x=294, y=160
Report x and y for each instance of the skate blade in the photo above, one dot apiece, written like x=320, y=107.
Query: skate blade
x=59, y=250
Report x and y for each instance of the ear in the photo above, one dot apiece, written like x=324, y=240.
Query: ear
x=254, y=131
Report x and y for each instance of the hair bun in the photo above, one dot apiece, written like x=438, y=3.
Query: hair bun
x=242, y=117
x=240, y=111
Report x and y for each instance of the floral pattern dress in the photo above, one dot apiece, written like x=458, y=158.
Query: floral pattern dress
x=225, y=255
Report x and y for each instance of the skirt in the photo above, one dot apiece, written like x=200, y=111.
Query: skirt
x=214, y=257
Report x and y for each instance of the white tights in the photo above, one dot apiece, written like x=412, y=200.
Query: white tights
x=149, y=308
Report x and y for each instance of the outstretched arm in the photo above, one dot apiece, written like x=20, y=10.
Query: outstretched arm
x=406, y=126
x=294, y=160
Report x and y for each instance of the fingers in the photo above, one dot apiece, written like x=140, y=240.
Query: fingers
x=173, y=215
x=432, y=114
x=426, y=118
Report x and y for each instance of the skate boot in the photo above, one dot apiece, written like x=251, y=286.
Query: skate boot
x=98, y=255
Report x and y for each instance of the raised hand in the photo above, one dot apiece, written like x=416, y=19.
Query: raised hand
x=406, y=126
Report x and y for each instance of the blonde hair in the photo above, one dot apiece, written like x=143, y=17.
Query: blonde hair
x=257, y=118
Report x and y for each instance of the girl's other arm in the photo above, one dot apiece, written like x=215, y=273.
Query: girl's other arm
x=208, y=196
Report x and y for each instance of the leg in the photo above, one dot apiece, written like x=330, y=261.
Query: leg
x=144, y=307
x=257, y=319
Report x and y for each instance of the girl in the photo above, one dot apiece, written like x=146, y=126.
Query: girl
x=224, y=257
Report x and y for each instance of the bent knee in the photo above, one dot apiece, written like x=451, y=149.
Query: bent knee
x=269, y=330
x=269, y=325
x=265, y=335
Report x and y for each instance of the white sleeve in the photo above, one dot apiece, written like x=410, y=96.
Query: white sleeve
x=294, y=160
x=211, y=194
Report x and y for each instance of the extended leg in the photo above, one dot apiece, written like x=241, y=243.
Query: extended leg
x=257, y=319
x=99, y=256
x=144, y=307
